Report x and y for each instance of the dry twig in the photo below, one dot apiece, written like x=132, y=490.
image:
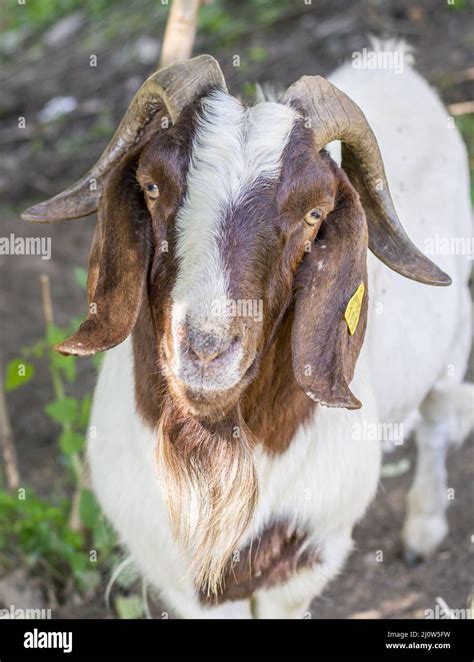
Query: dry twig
x=12, y=475
x=180, y=32
x=78, y=466
x=461, y=108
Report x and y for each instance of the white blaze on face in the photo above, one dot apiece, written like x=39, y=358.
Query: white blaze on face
x=233, y=147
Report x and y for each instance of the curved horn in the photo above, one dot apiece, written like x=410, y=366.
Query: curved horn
x=334, y=116
x=172, y=88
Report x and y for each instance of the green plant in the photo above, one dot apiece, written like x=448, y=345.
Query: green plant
x=67, y=537
x=70, y=413
x=35, y=533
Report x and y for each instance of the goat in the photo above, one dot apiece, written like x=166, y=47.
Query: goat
x=223, y=443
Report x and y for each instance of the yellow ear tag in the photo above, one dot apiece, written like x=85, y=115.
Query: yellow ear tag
x=352, y=313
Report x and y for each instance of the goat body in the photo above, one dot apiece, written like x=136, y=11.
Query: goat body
x=317, y=470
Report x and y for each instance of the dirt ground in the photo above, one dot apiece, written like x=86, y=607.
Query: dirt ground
x=39, y=161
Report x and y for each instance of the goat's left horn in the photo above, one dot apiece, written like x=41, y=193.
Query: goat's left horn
x=171, y=89
x=334, y=116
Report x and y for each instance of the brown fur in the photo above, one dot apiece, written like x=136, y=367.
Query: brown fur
x=324, y=353
x=204, y=450
x=200, y=456
x=117, y=268
x=278, y=553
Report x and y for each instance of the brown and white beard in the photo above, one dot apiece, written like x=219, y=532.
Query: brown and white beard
x=209, y=483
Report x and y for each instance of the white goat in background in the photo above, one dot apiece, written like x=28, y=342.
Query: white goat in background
x=427, y=168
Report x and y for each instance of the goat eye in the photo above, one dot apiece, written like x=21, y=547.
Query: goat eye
x=312, y=217
x=152, y=191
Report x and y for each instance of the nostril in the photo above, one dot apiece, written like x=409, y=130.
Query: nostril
x=203, y=357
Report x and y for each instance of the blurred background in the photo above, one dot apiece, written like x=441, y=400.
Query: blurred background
x=69, y=71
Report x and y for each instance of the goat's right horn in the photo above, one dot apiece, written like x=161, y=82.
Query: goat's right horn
x=335, y=116
x=170, y=89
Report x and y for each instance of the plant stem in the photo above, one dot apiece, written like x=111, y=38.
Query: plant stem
x=59, y=392
x=12, y=475
x=58, y=385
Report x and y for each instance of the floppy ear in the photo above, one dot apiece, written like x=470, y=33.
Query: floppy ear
x=331, y=303
x=118, y=265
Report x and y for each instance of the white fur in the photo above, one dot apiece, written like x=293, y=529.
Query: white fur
x=233, y=147
x=426, y=165
x=326, y=478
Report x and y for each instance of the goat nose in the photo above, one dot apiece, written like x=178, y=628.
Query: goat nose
x=206, y=346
